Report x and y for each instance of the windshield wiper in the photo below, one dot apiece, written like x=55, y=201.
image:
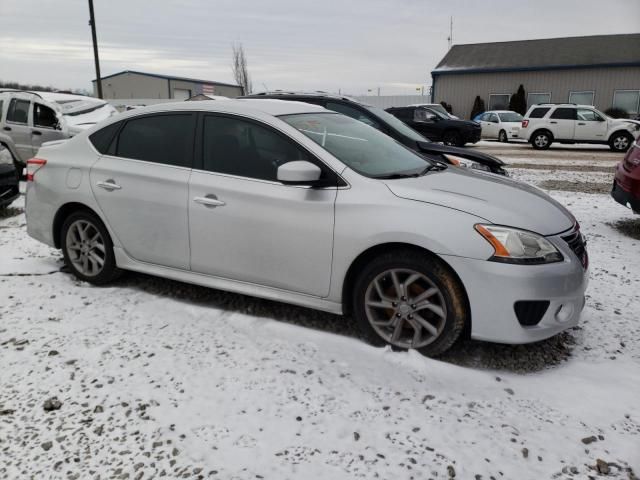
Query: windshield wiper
x=392, y=176
x=432, y=168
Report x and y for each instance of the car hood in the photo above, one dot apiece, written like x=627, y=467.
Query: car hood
x=497, y=199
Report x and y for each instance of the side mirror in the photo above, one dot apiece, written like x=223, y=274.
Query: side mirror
x=299, y=172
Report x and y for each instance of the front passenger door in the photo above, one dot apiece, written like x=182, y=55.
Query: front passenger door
x=46, y=126
x=247, y=226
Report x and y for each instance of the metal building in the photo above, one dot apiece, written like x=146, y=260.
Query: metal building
x=602, y=70
x=131, y=84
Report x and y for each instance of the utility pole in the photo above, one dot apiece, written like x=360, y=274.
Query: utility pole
x=450, y=39
x=92, y=23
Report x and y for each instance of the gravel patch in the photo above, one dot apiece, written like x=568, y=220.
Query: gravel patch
x=584, y=187
x=566, y=168
x=10, y=212
x=629, y=227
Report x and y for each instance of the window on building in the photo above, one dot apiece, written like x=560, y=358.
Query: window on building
x=581, y=98
x=627, y=100
x=539, y=112
x=18, y=111
x=564, y=114
x=538, y=98
x=238, y=147
x=499, y=101
x=165, y=139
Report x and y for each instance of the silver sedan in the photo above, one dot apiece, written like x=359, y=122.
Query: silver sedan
x=291, y=202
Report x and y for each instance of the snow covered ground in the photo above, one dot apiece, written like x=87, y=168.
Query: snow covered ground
x=162, y=379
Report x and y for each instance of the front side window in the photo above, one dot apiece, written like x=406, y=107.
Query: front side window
x=425, y=115
x=363, y=149
x=627, y=100
x=493, y=118
x=588, y=115
x=235, y=146
x=539, y=112
x=353, y=113
x=164, y=138
x=499, y=101
x=44, y=116
x=564, y=114
x=581, y=98
x=18, y=111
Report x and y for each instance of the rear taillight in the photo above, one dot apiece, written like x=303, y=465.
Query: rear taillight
x=33, y=165
x=525, y=123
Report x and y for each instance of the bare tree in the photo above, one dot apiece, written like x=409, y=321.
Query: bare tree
x=239, y=67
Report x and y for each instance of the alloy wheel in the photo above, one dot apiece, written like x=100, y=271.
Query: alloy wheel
x=405, y=308
x=621, y=142
x=541, y=141
x=85, y=248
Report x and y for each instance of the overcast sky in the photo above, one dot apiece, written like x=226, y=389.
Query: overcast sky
x=352, y=45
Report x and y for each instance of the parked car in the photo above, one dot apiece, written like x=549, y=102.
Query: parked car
x=626, y=184
x=438, y=127
x=436, y=106
x=396, y=129
x=570, y=123
x=9, y=190
x=503, y=125
x=28, y=119
x=291, y=202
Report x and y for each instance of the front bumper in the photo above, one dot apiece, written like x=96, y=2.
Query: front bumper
x=472, y=136
x=494, y=288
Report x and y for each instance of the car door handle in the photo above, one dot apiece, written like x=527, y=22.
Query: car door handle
x=580, y=123
x=553, y=122
x=109, y=185
x=209, y=201
x=36, y=132
x=8, y=129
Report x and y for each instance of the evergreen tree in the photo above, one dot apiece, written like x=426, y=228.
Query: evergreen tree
x=518, y=101
x=478, y=107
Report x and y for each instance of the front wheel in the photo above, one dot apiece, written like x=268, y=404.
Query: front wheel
x=409, y=300
x=620, y=142
x=453, y=139
x=87, y=248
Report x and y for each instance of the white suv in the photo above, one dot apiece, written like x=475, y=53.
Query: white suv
x=569, y=123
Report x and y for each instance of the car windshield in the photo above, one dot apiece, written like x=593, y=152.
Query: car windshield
x=359, y=146
x=399, y=125
x=510, y=117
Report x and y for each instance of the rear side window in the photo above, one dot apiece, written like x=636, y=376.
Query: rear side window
x=165, y=139
x=18, y=111
x=564, y=114
x=538, y=112
x=102, y=139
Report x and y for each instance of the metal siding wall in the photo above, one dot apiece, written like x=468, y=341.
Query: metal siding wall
x=461, y=90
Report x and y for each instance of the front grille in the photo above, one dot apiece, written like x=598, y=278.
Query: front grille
x=530, y=312
x=578, y=244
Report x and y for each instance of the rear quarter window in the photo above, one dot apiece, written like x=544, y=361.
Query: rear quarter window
x=103, y=138
x=538, y=112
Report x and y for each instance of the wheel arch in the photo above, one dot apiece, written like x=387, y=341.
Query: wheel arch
x=61, y=215
x=618, y=131
x=539, y=130
x=370, y=253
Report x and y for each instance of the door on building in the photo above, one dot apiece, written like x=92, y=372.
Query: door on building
x=181, y=93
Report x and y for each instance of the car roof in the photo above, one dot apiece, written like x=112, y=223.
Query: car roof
x=285, y=94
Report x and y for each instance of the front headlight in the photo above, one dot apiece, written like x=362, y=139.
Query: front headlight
x=518, y=246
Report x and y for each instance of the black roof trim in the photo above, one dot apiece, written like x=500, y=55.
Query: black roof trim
x=169, y=77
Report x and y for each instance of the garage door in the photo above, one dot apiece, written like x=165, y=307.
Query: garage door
x=181, y=93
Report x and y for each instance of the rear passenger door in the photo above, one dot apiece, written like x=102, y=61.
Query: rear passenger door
x=562, y=123
x=141, y=183
x=17, y=127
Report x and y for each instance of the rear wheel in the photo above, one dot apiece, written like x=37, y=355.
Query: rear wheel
x=87, y=248
x=502, y=136
x=452, y=138
x=408, y=300
x=541, y=140
x=620, y=141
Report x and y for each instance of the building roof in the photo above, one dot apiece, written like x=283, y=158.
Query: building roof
x=543, y=54
x=169, y=77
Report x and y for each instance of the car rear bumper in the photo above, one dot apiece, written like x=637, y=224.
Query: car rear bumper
x=523, y=303
x=625, y=198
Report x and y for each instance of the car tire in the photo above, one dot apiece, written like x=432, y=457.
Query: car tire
x=620, y=141
x=502, y=137
x=541, y=140
x=88, y=249
x=452, y=138
x=383, y=306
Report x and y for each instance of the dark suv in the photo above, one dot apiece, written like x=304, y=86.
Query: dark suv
x=396, y=129
x=438, y=127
